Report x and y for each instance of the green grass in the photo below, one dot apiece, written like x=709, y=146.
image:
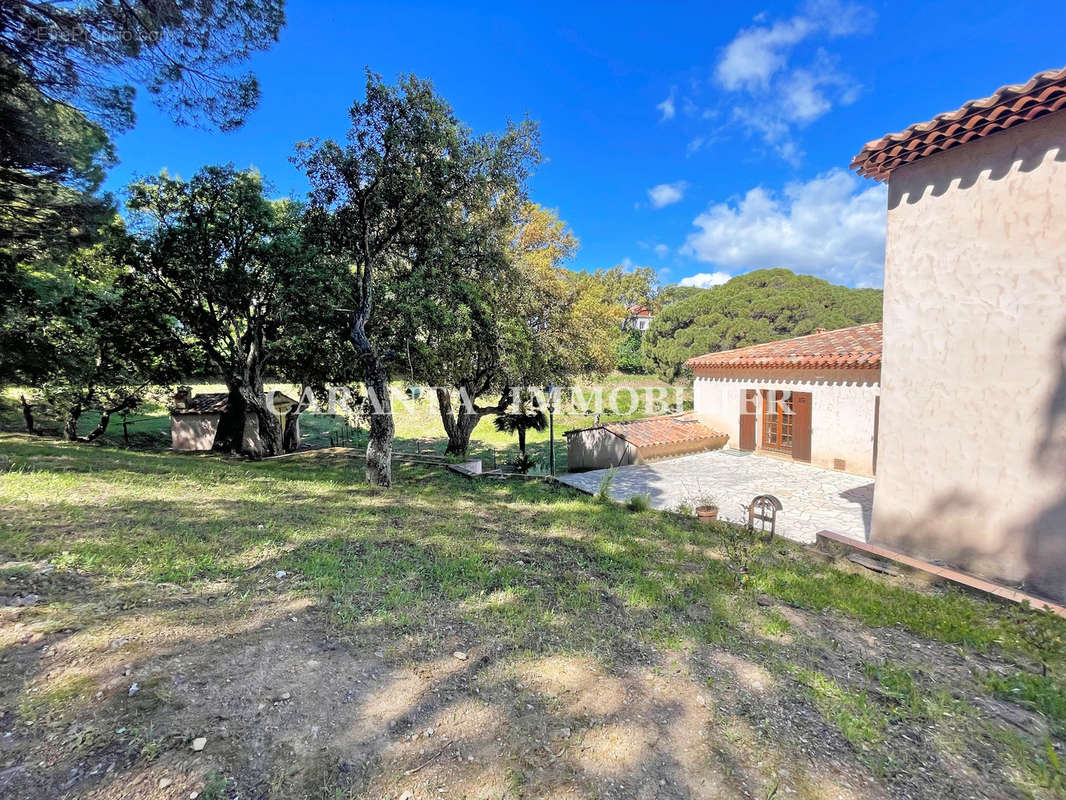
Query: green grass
x=163, y=517
x=948, y=616
x=418, y=423
x=1036, y=692
x=858, y=718
x=525, y=567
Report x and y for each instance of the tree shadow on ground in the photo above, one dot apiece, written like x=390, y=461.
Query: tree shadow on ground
x=607, y=654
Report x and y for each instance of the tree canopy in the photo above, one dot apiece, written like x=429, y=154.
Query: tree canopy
x=233, y=268
x=518, y=318
x=68, y=73
x=90, y=55
x=753, y=308
x=408, y=178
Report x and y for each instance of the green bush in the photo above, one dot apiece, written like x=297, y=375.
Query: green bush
x=639, y=502
x=631, y=353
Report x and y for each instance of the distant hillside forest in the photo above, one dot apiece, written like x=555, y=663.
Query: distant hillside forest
x=757, y=307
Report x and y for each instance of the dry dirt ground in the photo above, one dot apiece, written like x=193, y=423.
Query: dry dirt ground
x=291, y=707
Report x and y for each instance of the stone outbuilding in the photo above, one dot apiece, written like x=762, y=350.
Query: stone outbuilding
x=812, y=399
x=194, y=419
x=618, y=444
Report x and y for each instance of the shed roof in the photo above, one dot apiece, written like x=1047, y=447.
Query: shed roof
x=846, y=348
x=218, y=402
x=652, y=431
x=1008, y=106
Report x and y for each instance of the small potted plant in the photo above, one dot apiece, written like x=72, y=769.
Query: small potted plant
x=699, y=501
x=707, y=509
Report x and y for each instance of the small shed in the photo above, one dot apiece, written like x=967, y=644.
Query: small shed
x=194, y=419
x=617, y=444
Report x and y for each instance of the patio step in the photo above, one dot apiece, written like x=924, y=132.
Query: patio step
x=837, y=544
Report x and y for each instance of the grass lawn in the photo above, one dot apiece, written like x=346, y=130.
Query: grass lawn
x=418, y=424
x=178, y=624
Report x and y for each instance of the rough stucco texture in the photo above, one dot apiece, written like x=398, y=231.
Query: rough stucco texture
x=193, y=431
x=842, y=409
x=597, y=448
x=197, y=432
x=972, y=445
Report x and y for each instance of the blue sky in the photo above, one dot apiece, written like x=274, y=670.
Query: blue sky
x=704, y=142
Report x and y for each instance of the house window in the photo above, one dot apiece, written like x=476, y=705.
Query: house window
x=778, y=413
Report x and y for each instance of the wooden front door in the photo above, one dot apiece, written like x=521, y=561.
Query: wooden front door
x=801, y=426
x=786, y=423
x=747, y=419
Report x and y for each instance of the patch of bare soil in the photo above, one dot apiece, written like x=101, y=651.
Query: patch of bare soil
x=134, y=691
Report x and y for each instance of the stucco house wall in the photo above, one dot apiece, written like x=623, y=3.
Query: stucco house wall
x=843, y=409
x=597, y=448
x=193, y=431
x=972, y=446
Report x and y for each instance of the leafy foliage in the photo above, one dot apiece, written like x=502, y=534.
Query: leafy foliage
x=91, y=336
x=757, y=307
x=631, y=353
x=392, y=209
x=506, y=314
x=88, y=55
x=525, y=415
x=628, y=287
x=233, y=267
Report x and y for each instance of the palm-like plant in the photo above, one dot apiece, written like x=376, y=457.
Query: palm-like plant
x=525, y=417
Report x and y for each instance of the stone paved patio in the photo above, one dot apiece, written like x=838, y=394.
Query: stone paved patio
x=814, y=499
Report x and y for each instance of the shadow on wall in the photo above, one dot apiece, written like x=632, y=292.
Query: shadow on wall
x=864, y=497
x=1036, y=544
x=1045, y=533
x=968, y=172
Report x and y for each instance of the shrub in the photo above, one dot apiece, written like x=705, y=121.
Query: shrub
x=603, y=491
x=639, y=502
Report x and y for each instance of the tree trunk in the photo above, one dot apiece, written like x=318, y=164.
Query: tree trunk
x=522, y=440
x=101, y=426
x=246, y=397
x=291, y=437
x=269, y=426
x=459, y=427
x=70, y=429
x=382, y=431
x=376, y=379
x=27, y=414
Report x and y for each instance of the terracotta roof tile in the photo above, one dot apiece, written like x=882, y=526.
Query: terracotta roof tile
x=652, y=431
x=1043, y=94
x=853, y=348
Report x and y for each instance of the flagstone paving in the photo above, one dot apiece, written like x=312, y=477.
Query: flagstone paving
x=814, y=499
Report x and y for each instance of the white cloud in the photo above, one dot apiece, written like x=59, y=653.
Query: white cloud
x=772, y=95
x=705, y=280
x=755, y=54
x=666, y=193
x=667, y=108
x=661, y=250
x=831, y=226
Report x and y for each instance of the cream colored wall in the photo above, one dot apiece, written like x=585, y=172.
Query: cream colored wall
x=972, y=452
x=193, y=431
x=674, y=449
x=842, y=409
x=597, y=449
x=196, y=432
